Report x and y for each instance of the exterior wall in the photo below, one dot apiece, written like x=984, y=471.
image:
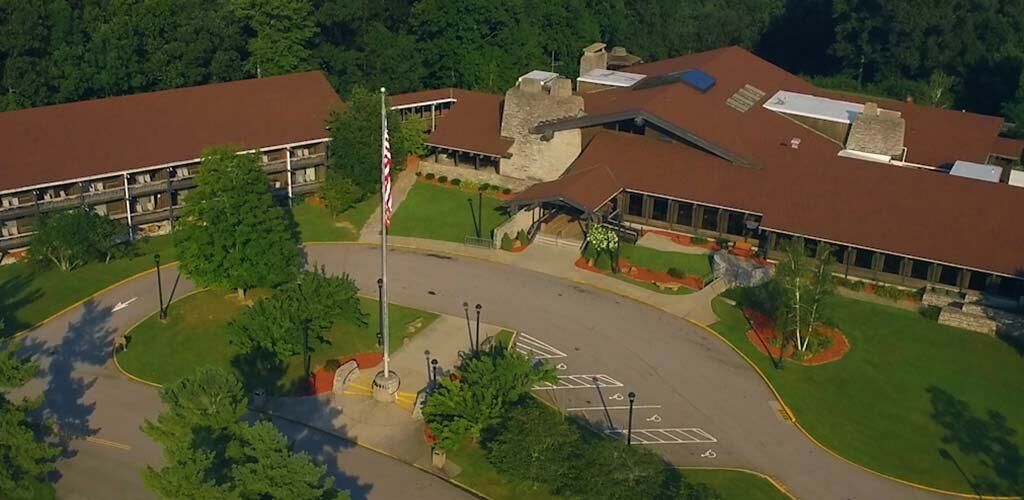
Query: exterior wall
x=520, y=221
x=534, y=158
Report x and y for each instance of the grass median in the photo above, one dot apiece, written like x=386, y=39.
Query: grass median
x=28, y=296
x=912, y=399
x=195, y=335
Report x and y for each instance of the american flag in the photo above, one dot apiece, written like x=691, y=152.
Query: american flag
x=385, y=167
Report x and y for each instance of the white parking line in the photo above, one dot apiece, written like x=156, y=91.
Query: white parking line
x=579, y=382
x=532, y=346
x=602, y=408
x=690, y=435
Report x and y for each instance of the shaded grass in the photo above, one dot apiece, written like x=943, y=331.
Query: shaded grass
x=735, y=485
x=29, y=296
x=195, y=335
x=909, y=391
x=316, y=223
x=478, y=474
x=440, y=213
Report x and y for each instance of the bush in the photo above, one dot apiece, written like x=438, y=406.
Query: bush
x=484, y=187
x=534, y=444
x=506, y=191
x=603, y=261
x=429, y=176
x=419, y=174
x=677, y=273
x=340, y=193
x=723, y=242
x=456, y=181
x=495, y=187
x=443, y=179
x=931, y=312
x=699, y=240
x=506, y=242
x=524, y=239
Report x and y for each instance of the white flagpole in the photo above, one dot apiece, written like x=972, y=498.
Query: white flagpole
x=384, y=246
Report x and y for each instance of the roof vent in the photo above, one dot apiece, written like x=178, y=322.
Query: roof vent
x=698, y=79
x=794, y=143
x=745, y=98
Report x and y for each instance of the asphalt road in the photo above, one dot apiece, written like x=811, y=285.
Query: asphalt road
x=685, y=378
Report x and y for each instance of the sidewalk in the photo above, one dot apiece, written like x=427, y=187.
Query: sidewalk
x=561, y=262
x=399, y=190
x=388, y=427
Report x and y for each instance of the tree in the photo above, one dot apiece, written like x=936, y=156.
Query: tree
x=535, y=443
x=283, y=29
x=210, y=453
x=27, y=459
x=488, y=382
x=72, y=238
x=805, y=284
x=340, y=193
x=231, y=232
x=267, y=469
x=356, y=140
x=603, y=245
x=295, y=319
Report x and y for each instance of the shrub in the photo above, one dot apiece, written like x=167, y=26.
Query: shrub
x=506, y=242
x=890, y=292
x=495, y=187
x=442, y=179
x=419, y=174
x=677, y=273
x=524, y=239
x=506, y=191
x=603, y=261
x=534, y=444
x=456, y=181
x=931, y=312
x=698, y=240
x=723, y=242
x=484, y=187
x=340, y=193
x=429, y=176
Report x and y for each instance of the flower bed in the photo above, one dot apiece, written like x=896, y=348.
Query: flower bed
x=466, y=187
x=765, y=337
x=686, y=240
x=322, y=380
x=639, y=274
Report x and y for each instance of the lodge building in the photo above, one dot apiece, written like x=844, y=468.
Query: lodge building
x=134, y=158
x=723, y=144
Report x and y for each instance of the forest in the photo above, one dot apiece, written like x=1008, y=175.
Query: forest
x=962, y=54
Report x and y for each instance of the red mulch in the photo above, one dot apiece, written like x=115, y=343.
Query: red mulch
x=517, y=249
x=763, y=333
x=684, y=239
x=644, y=275
x=323, y=380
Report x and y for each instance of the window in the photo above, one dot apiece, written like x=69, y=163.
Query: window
x=891, y=263
x=919, y=269
x=635, y=205
x=100, y=209
x=95, y=186
x=145, y=204
x=734, y=223
x=181, y=172
x=9, y=201
x=950, y=275
x=709, y=219
x=978, y=281
x=863, y=258
x=684, y=213
x=659, y=209
x=9, y=228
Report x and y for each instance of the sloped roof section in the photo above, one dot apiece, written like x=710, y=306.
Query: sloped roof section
x=90, y=138
x=473, y=124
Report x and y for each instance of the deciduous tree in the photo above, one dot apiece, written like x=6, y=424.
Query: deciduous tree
x=283, y=32
x=72, y=238
x=231, y=233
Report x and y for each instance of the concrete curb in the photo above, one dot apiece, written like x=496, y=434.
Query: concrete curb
x=778, y=485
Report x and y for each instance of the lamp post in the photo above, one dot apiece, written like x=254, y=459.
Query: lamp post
x=160, y=287
x=478, y=307
x=629, y=426
x=433, y=369
x=469, y=328
x=426, y=353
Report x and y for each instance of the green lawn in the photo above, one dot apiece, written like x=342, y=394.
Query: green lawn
x=478, y=474
x=316, y=223
x=912, y=399
x=442, y=213
x=194, y=335
x=29, y=296
x=736, y=485
x=661, y=261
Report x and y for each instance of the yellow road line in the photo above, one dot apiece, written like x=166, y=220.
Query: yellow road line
x=109, y=443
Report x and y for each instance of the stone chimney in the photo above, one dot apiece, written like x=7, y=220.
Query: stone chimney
x=531, y=86
x=594, y=57
x=620, y=58
x=877, y=131
x=561, y=87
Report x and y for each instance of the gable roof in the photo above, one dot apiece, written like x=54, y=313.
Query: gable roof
x=105, y=136
x=473, y=124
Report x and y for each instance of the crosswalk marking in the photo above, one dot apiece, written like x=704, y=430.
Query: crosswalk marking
x=689, y=435
x=534, y=347
x=578, y=382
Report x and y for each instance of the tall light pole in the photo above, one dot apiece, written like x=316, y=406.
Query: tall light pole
x=478, y=307
x=629, y=426
x=469, y=328
x=426, y=353
x=433, y=369
x=160, y=287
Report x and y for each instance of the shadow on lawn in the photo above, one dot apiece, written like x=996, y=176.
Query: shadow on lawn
x=985, y=439
x=15, y=293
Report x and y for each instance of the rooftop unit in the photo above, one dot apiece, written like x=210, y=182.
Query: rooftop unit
x=977, y=171
x=611, y=78
x=810, y=106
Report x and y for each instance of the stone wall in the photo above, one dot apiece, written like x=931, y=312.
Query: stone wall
x=472, y=175
x=974, y=322
x=534, y=157
x=521, y=220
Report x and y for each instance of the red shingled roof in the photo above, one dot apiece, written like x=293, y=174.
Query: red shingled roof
x=104, y=136
x=472, y=125
x=810, y=190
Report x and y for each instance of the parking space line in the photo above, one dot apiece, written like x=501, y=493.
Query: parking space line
x=532, y=346
x=579, y=382
x=673, y=435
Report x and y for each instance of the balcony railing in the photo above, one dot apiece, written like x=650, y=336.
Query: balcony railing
x=88, y=199
x=16, y=241
x=307, y=161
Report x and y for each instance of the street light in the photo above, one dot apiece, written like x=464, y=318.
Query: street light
x=478, y=307
x=469, y=328
x=426, y=353
x=433, y=368
x=160, y=287
x=629, y=428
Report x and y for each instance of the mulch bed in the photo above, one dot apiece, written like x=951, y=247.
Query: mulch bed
x=684, y=240
x=644, y=275
x=323, y=380
x=764, y=333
